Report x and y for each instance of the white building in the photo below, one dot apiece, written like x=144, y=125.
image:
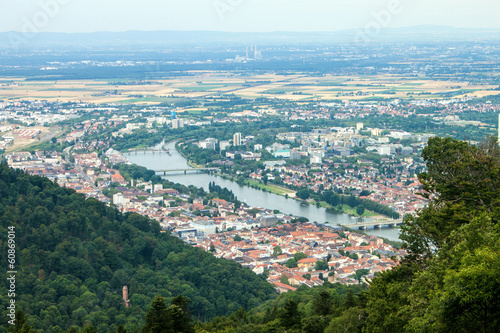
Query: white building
x=224, y=144
x=237, y=139
x=177, y=123
x=203, y=228
x=118, y=199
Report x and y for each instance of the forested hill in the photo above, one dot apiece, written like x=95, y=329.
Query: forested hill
x=74, y=255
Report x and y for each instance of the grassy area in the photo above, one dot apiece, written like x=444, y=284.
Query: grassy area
x=352, y=211
x=270, y=187
x=275, y=189
x=348, y=210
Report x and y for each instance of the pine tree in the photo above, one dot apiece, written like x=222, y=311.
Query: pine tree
x=181, y=315
x=323, y=304
x=290, y=316
x=158, y=319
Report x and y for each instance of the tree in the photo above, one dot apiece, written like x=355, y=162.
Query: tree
x=302, y=194
x=449, y=282
x=348, y=322
x=323, y=303
x=321, y=265
x=120, y=329
x=462, y=181
x=352, y=201
x=462, y=283
x=157, y=318
x=290, y=316
x=284, y=279
x=181, y=315
x=360, y=210
x=360, y=273
x=21, y=326
x=253, y=212
x=291, y=263
x=277, y=251
x=299, y=256
x=237, y=238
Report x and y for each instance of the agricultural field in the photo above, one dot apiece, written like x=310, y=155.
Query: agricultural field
x=297, y=87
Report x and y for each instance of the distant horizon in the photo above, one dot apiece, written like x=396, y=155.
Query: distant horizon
x=263, y=32
x=241, y=16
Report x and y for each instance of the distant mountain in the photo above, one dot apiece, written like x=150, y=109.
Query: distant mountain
x=155, y=39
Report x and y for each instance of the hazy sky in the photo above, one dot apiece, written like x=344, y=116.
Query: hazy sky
x=242, y=15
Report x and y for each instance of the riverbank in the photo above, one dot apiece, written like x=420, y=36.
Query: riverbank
x=288, y=193
x=271, y=188
x=250, y=195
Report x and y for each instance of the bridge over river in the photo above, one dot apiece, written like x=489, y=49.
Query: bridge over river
x=377, y=224
x=149, y=150
x=186, y=170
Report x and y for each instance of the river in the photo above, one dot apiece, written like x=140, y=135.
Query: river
x=155, y=160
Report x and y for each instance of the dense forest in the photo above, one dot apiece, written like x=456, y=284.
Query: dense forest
x=74, y=255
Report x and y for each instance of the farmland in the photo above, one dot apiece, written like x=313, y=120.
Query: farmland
x=205, y=84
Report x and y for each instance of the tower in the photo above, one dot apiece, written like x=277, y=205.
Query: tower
x=125, y=296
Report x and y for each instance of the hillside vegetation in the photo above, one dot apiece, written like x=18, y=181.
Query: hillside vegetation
x=74, y=255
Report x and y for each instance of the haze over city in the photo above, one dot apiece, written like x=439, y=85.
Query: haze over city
x=244, y=15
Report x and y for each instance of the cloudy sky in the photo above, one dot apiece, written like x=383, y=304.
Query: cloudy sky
x=242, y=15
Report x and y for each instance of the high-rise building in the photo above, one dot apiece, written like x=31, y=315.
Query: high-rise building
x=177, y=123
x=237, y=139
